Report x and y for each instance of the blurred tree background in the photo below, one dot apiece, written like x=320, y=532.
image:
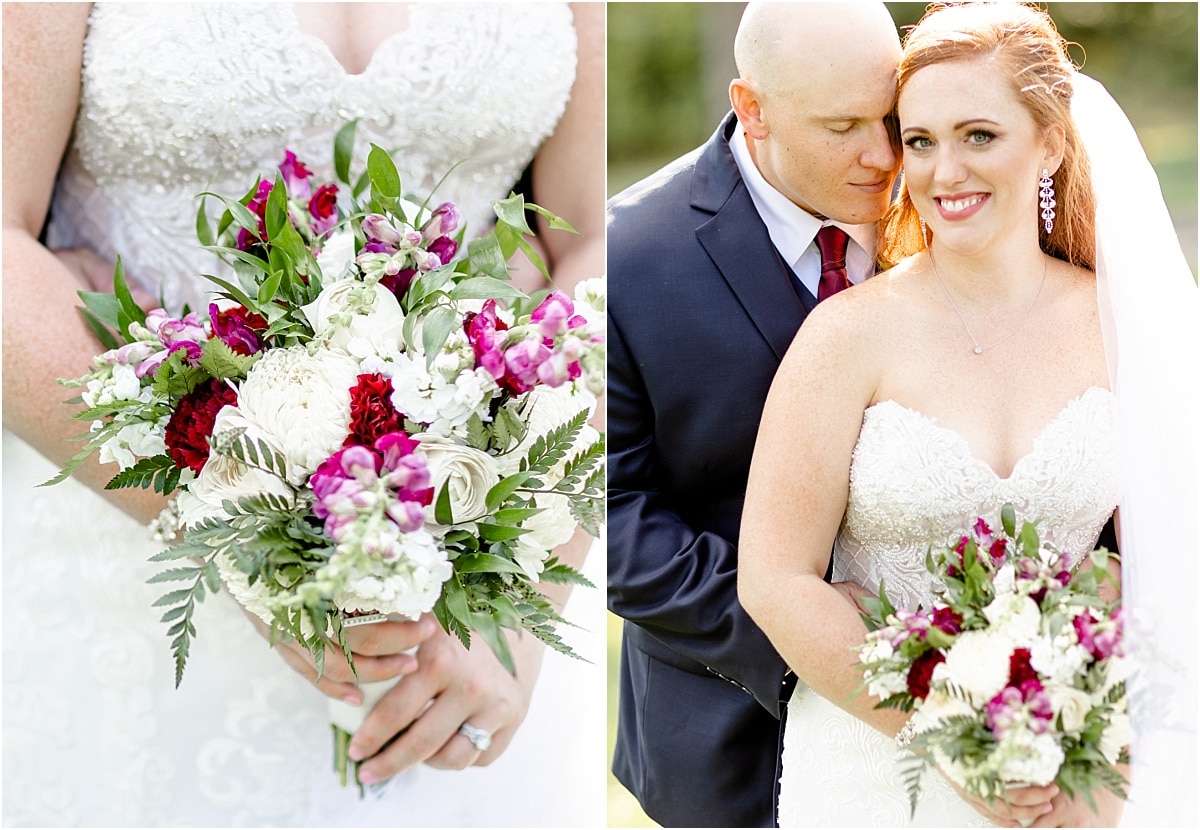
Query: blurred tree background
x=669, y=67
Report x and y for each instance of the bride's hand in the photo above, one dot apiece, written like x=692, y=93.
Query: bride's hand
x=1075, y=812
x=1020, y=807
x=458, y=686
x=378, y=651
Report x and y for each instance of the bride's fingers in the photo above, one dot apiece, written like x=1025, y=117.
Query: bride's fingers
x=380, y=639
x=393, y=714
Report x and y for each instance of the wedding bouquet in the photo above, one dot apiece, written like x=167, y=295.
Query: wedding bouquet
x=367, y=421
x=1016, y=674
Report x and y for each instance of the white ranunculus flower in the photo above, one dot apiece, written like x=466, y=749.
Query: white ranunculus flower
x=467, y=472
x=349, y=309
x=977, y=662
x=336, y=256
x=1060, y=659
x=1018, y=616
x=223, y=478
x=1115, y=737
x=1071, y=703
x=1029, y=759
x=300, y=404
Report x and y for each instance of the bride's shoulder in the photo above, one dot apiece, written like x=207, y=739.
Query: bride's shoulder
x=868, y=306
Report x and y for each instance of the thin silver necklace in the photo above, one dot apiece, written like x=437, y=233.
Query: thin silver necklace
x=978, y=347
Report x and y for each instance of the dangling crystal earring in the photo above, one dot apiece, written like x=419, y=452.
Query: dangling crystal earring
x=1046, y=191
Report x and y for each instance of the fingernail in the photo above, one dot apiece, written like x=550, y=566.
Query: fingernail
x=356, y=754
x=354, y=698
x=367, y=777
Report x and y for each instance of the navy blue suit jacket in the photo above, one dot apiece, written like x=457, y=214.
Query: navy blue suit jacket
x=701, y=311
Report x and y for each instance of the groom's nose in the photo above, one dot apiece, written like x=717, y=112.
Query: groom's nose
x=880, y=153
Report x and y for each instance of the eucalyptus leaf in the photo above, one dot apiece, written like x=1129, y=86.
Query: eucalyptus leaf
x=435, y=329
x=385, y=179
x=484, y=288
x=343, y=150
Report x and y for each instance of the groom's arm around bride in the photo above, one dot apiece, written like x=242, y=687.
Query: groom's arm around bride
x=714, y=264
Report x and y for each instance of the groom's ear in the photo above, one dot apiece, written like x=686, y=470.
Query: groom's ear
x=748, y=107
x=1056, y=143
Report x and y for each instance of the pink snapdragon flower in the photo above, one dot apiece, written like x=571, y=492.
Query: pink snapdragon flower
x=295, y=176
x=187, y=335
x=1026, y=704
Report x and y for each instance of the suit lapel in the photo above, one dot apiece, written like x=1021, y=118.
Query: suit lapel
x=738, y=243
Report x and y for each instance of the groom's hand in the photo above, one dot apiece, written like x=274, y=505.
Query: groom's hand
x=451, y=686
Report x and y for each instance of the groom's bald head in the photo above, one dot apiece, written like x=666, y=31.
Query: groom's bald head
x=780, y=46
x=816, y=85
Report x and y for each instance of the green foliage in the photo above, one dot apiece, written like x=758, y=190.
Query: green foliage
x=158, y=472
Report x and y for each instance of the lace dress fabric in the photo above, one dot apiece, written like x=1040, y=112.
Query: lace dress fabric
x=914, y=483
x=177, y=99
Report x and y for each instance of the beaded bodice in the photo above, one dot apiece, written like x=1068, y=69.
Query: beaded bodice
x=179, y=98
x=914, y=483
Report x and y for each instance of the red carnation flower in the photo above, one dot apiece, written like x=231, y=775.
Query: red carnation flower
x=323, y=208
x=921, y=672
x=192, y=422
x=947, y=619
x=1019, y=668
x=372, y=414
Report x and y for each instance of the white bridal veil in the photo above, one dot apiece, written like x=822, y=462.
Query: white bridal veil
x=1150, y=310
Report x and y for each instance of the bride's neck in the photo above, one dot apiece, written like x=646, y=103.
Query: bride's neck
x=995, y=278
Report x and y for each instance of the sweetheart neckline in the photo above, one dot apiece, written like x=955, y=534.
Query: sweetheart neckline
x=932, y=422
x=326, y=50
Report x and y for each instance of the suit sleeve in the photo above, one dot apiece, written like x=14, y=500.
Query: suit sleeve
x=678, y=584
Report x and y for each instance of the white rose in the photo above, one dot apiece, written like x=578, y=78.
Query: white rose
x=300, y=404
x=1018, y=616
x=1071, y=704
x=224, y=478
x=467, y=472
x=336, y=255
x=1115, y=737
x=978, y=663
x=349, y=309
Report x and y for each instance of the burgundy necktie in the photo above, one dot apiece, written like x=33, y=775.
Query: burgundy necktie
x=832, y=242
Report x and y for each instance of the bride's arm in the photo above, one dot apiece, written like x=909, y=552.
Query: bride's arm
x=568, y=172
x=795, y=499
x=44, y=336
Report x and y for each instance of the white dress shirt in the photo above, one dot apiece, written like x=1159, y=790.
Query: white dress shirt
x=794, y=231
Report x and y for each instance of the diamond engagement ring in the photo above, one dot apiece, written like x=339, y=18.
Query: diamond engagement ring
x=481, y=739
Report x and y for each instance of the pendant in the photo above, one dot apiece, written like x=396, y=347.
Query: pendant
x=979, y=350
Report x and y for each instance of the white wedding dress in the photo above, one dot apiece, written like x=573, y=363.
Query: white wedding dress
x=912, y=483
x=179, y=99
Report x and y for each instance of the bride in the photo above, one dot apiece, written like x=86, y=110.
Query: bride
x=980, y=370
x=115, y=117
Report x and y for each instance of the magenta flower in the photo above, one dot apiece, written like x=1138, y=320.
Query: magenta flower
x=258, y=206
x=1027, y=703
x=522, y=360
x=322, y=207
x=444, y=248
x=444, y=221
x=382, y=236
x=237, y=328
x=552, y=314
x=482, y=331
x=295, y=176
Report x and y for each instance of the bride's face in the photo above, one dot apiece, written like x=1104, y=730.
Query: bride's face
x=972, y=155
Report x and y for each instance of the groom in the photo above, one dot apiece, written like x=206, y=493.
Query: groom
x=714, y=262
